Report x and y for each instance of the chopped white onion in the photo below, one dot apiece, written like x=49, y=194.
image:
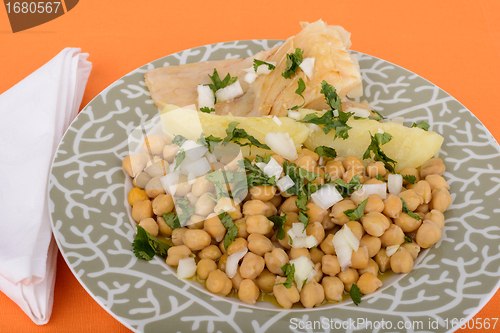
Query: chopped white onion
x=199, y=167
x=344, y=242
x=298, y=229
x=191, y=178
x=395, y=183
x=303, y=266
x=206, y=97
x=186, y=268
x=359, y=112
x=362, y=193
x=250, y=77
x=398, y=120
x=313, y=127
x=311, y=241
x=299, y=242
x=311, y=275
x=294, y=114
x=277, y=120
x=170, y=182
x=193, y=150
x=230, y=92
x=326, y=196
x=352, y=240
x=261, y=165
x=307, y=65
x=273, y=168
x=232, y=262
x=280, y=144
x=264, y=69
x=390, y=250
x=285, y=183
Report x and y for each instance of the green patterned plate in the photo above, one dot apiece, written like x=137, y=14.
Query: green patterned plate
x=452, y=281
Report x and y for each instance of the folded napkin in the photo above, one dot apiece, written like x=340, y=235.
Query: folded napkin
x=34, y=114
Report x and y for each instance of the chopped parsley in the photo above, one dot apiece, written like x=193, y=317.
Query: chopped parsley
x=346, y=189
x=255, y=176
x=357, y=213
x=408, y=239
x=355, y=294
x=217, y=83
x=232, y=229
x=331, y=96
x=289, y=271
x=293, y=61
x=186, y=210
x=262, y=159
x=379, y=118
x=378, y=140
x=304, y=218
x=422, y=125
x=299, y=91
x=179, y=140
x=279, y=224
x=172, y=220
x=206, y=109
x=325, y=151
x=210, y=141
x=179, y=158
x=410, y=178
x=408, y=211
x=381, y=178
x=257, y=63
x=146, y=246
x=236, y=134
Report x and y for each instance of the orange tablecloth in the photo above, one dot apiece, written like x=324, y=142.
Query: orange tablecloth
x=454, y=44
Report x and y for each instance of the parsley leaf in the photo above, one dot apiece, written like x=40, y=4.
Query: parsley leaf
x=255, y=176
x=357, y=213
x=172, y=220
x=303, y=218
x=379, y=118
x=232, y=229
x=186, y=210
x=410, y=178
x=325, y=151
x=378, y=140
x=210, y=141
x=146, y=246
x=355, y=294
x=236, y=134
x=329, y=122
x=206, y=109
x=279, y=223
x=408, y=239
x=422, y=125
x=179, y=158
x=179, y=140
x=299, y=91
x=262, y=159
x=289, y=271
x=381, y=178
x=293, y=61
x=346, y=189
x=257, y=63
x=218, y=84
x=221, y=180
x=331, y=96
x=408, y=211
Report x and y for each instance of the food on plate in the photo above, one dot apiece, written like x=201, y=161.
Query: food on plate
x=271, y=93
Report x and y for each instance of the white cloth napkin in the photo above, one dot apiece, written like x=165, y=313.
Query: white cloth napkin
x=34, y=114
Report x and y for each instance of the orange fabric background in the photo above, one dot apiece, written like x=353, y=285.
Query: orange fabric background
x=454, y=44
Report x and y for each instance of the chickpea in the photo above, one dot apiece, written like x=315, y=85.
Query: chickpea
x=262, y=192
x=136, y=195
x=163, y=204
x=276, y=200
x=202, y=185
x=441, y=199
x=272, y=210
x=210, y=252
x=142, y=210
x=407, y=223
x=360, y=258
x=285, y=297
x=226, y=204
x=196, y=222
x=348, y=277
x=423, y=189
x=327, y=223
x=154, y=187
x=315, y=213
x=373, y=181
x=254, y=207
x=372, y=268
x=412, y=199
x=285, y=241
x=352, y=162
x=153, y=144
x=295, y=253
x=423, y=208
x=163, y=228
x=376, y=168
x=248, y=292
x=401, y=261
x=382, y=260
x=316, y=229
x=150, y=226
x=259, y=244
x=242, y=227
x=374, y=204
x=289, y=205
x=330, y=265
x=337, y=214
x=333, y=287
x=327, y=245
x=134, y=164
x=196, y=239
x=368, y=283
x=259, y=224
x=176, y=253
x=231, y=162
x=169, y=152
x=236, y=279
x=292, y=218
x=237, y=245
x=214, y=227
x=320, y=180
x=222, y=262
x=413, y=248
x=177, y=235
x=158, y=168
x=312, y=294
x=205, y=267
x=372, y=243
x=356, y=228
x=307, y=152
x=142, y=179
x=183, y=187
x=280, y=159
x=435, y=216
x=335, y=169
x=319, y=272
x=307, y=162
x=410, y=172
x=316, y=255
x=375, y=223
x=428, y=234
x=204, y=205
x=192, y=198
x=276, y=259
x=265, y=281
x=349, y=174
x=392, y=236
x=392, y=206
x=251, y=266
x=434, y=166
x=219, y=283
x=436, y=181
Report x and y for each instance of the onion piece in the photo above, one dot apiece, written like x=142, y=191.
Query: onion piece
x=359, y=112
x=395, y=183
x=326, y=196
x=298, y=229
x=285, y=183
x=232, y=262
x=250, y=77
x=170, y=181
x=264, y=69
x=311, y=241
x=294, y=114
x=273, y=168
x=199, y=167
x=261, y=165
x=366, y=190
x=277, y=120
x=398, y=120
x=206, y=97
x=193, y=150
x=313, y=127
x=307, y=65
x=303, y=266
x=390, y=250
x=345, y=242
x=282, y=145
x=229, y=93
x=186, y=268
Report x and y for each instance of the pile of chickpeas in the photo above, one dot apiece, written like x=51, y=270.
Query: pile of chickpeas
x=383, y=225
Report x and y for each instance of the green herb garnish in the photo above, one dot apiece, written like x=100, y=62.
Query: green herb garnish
x=236, y=134
x=408, y=239
x=179, y=158
x=262, y=159
x=279, y=223
x=289, y=271
x=410, y=178
x=146, y=246
x=331, y=96
x=179, y=140
x=303, y=218
x=218, y=84
x=293, y=61
x=325, y=151
x=355, y=294
x=232, y=229
x=381, y=178
x=329, y=122
x=299, y=91
x=422, y=125
x=255, y=176
x=172, y=220
x=408, y=211
x=378, y=140
x=210, y=141
x=206, y=109
x=357, y=213
x=186, y=211
x=257, y=63
x=379, y=118
x=346, y=189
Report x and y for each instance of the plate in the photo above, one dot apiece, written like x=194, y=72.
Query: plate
x=449, y=285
